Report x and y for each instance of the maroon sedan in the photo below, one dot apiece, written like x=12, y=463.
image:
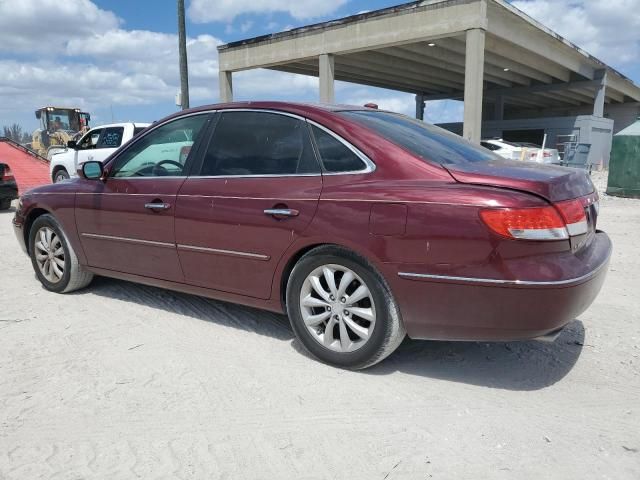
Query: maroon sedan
x=362, y=225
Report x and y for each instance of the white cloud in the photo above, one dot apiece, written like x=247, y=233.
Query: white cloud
x=206, y=11
x=609, y=30
x=44, y=26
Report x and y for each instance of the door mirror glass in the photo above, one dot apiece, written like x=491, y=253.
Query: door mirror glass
x=71, y=144
x=92, y=170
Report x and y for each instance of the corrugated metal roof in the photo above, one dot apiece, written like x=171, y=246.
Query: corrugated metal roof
x=632, y=130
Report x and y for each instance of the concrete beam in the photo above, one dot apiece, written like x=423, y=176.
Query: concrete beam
x=349, y=69
x=397, y=66
x=417, y=24
x=473, y=85
x=225, y=84
x=309, y=70
x=420, y=106
x=599, y=97
x=536, y=62
x=497, y=63
x=422, y=53
x=506, y=24
x=327, y=78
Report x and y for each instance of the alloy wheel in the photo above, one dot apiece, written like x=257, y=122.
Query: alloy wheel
x=337, y=308
x=50, y=255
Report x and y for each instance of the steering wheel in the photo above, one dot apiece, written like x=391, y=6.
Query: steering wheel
x=170, y=162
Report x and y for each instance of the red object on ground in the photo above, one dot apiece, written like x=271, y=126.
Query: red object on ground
x=28, y=170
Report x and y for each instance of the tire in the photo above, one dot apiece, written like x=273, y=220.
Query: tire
x=372, y=323
x=5, y=204
x=60, y=175
x=46, y=237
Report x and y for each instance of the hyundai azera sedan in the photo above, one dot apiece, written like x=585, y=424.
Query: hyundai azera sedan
x=363, y=226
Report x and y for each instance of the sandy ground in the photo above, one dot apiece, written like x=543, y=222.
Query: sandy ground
x=124, y=381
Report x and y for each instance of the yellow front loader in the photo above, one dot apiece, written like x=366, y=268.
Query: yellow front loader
x=57, y=126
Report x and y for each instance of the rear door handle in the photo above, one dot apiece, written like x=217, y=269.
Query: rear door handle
x=282, y=212
x=157, y=206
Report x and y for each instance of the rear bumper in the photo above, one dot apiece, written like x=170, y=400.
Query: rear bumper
x=475, y=309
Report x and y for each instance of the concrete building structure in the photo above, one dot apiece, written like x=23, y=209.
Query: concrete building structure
x=512, y=72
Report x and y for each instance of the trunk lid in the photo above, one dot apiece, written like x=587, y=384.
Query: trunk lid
x=554, y=183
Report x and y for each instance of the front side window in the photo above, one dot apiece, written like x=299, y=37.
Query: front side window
x=111, y=137
x=336, y=156
x=259, y=143
x=163, y=151
x=421, y=139
x=90, y=140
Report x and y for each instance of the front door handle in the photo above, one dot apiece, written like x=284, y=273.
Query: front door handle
x=157, y=206
x=282, y=212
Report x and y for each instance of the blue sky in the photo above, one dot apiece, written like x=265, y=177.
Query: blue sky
x=120, y=55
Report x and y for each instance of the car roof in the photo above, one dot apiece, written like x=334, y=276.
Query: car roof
x=123, y=124
x=278, y=105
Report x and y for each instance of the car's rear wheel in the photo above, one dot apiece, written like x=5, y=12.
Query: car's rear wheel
x=5, y=204
x=54, y=261
x=342, y=310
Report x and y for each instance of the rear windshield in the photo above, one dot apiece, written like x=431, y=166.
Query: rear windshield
x=422, y=139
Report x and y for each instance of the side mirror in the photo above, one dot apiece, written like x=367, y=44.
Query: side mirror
x=72, y=144
x=92, y=170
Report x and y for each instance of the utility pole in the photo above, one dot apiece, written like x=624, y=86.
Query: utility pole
x=182, y=51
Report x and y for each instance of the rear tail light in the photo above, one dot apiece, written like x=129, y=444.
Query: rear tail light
x=574, y=215
x=537, y=223
x=553, y=222
x=547, y=154
x=7, y=174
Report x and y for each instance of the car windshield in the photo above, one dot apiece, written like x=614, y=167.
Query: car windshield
x=426, y=141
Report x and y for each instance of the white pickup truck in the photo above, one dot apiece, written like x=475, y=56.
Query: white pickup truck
x=97, y=144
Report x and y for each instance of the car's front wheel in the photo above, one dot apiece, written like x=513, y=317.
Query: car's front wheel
x=53, y=258
x=342, y=310
x=60, y=175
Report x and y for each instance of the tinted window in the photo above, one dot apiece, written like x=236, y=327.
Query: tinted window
x=423, y=140
x=162, y=152
x=335, y=155
x=259, y=143
x=111, y=137
x=137, y=130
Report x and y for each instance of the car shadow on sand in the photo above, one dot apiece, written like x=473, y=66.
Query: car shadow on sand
x=527, y=365
x=523, y=366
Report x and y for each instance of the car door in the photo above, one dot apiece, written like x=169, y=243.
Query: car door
x=255, y=191
x=126, y=222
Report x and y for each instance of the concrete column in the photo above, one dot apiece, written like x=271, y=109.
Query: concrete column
x=598, y=100
x=420, y=106
x=473, y=85
x=499, y=111
x=327, y=78
x=226, y=86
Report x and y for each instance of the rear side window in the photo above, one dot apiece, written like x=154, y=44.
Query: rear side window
x=421, y=139
x=111, y=137
x=259, y=143
x=138, y=130
x=336, y=156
